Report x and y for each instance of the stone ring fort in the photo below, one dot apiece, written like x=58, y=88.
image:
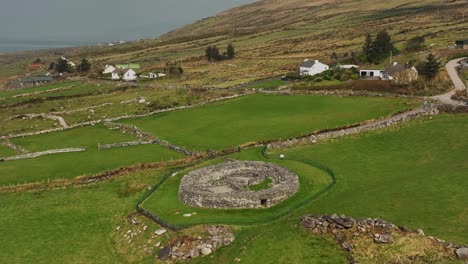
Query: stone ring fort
x=228, y=185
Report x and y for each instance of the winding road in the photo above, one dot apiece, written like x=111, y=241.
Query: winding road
x=457, y=82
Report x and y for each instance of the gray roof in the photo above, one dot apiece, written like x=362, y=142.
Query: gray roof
x=36, y=79
x=308, y=63
x=395, y=68
x=461, y=41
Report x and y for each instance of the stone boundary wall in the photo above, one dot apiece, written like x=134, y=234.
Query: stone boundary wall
x=146, y=138
x=43, y=153
x=123, y=144
x=380, y=124
x=13, y=146
x=46, y=131
x=197, y=187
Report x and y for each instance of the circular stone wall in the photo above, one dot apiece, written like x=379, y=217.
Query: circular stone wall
x=226, y=185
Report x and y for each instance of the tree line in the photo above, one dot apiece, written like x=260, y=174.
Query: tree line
x=212, y=53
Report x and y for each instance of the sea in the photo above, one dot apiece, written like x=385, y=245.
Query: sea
x=14, y=46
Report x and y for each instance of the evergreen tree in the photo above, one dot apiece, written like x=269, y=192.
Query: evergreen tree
x=231, y=52
x=367, y=48
x=62, y=65
x=84, y=66
x=208, y=53
x=381, y=47
x=430, y=68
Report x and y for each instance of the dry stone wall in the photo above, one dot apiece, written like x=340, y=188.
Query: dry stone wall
x=225, y=185
x=324, y=135
x=43, y=153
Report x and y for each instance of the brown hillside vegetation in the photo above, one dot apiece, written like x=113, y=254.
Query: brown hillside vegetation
x=272, y=37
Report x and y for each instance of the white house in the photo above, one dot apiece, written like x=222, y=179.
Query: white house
x=373, y=74
x=312, y=67
x=153, y=75
x=108, y=69
x=130, y=75
x=115, y=75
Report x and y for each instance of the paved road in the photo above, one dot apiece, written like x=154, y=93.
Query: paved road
x=458, y=83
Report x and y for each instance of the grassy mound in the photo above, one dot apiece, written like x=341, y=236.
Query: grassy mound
x=260, y=117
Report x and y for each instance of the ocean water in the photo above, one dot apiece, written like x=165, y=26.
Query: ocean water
x=12, y=46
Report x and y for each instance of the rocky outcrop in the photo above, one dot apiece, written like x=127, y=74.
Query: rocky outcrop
x=347, y=230
x=226, y=185
x=43, y=153
x=357, y=129
x=187, y=247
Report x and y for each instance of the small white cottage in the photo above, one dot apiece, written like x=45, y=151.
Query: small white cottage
x=108, y=69
x=130, y=75
x=115, y=75
x=312, y=67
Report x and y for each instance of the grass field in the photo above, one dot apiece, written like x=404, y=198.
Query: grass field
x=74, y=225
x=164, y=202
x=71, y=165
x=88, y=137
x=261, y=117
x=6, y=151
x=414, y=176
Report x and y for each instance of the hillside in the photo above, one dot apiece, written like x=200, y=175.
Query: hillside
x=272, y=37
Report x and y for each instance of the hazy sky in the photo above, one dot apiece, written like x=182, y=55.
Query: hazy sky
x=100, y=20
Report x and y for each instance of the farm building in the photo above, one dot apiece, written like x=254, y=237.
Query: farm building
x=348, y=66
x=312, y=67
x=108, y=69
x=36, y=66
x=402, y=73
x=461, y=44
x=373, y=75
x=34, y=80
x=130, y=75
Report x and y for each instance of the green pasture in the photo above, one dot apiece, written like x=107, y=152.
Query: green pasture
x=413, y=176
x=261, y=117
x=73, y=225
x=164, y=202
x=88, y=137
x=71, y=165
x=6, y=151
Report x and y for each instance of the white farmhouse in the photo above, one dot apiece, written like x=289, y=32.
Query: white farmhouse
x=130, y=75
x=108, y=69
x=115, y=75
x=373, y=75
x=312, y=67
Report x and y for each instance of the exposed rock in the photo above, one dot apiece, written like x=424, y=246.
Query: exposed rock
x=165, y=253
x=462, y=253
x=194, y=253
x=420, y=232
x=206, y=251
x=383, y=238
x=160, y=231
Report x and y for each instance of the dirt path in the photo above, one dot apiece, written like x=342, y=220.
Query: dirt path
x=457, y=82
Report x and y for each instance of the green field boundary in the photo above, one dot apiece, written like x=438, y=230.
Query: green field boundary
x=309, y=199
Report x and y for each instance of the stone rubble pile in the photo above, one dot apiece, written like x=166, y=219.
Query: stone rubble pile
x=381, y=231
x=188, y=247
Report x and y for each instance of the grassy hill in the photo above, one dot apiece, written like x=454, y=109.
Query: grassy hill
x=272, y=37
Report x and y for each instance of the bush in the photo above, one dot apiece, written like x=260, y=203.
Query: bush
x=318, y=79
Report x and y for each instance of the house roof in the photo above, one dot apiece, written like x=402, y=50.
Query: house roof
x=309, y=63
x=36, y=79
x=396, y=68
x=461, y=41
